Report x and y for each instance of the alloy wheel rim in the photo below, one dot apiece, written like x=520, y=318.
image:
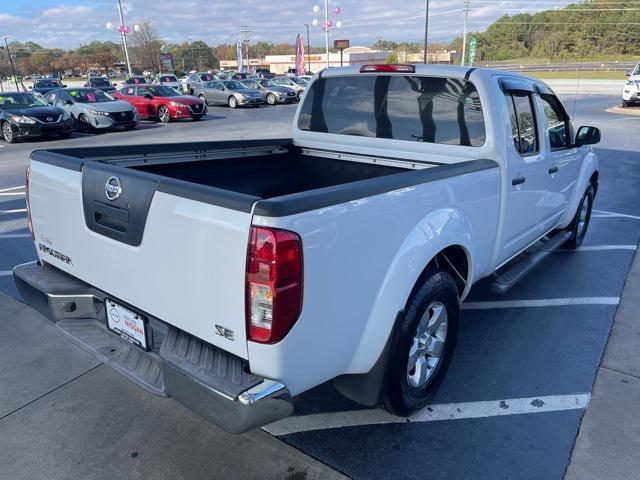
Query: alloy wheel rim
x=164, y=114
x=7, y=132
x=584, y=213
x=272, y=99
x=427, y=347
x=233, y=102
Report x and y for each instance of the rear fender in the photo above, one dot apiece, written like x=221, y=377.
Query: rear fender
x=435, y=232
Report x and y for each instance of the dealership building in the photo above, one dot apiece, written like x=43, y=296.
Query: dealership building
x=279, y=64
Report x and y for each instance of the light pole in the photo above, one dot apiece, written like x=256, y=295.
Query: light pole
x=426, y=33
x=328, y=24
x=123, y=29
x=13, y=67
x=308, y=49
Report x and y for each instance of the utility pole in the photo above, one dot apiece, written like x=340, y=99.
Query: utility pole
x=425, y=60
x=464, y=35
x=308, y=49
x=246, y=32
x=13, y=67
x=124, y=38
x=326, y=30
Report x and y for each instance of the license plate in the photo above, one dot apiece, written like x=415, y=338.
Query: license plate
x=126, y=323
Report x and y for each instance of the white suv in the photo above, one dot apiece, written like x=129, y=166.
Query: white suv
x=631, y=91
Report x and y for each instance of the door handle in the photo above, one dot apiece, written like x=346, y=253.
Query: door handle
x=518, y=181
x=553, y=170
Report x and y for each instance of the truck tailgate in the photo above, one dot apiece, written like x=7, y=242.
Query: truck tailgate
x=179, y=259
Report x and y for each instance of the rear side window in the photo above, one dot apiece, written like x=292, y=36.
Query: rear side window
x=557, y=122
x=412, y=108
x=523, y=122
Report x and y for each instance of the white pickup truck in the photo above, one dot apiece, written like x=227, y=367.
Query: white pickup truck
x=233, y=276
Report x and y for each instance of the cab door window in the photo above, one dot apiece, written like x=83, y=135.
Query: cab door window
x=523, y=122
x=558, y=126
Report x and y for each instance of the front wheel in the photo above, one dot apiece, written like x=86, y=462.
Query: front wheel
x=7, y=133
x=163, y=114
x=233, y=102
x=271, y=99
x=580, y=223
x=423, y=345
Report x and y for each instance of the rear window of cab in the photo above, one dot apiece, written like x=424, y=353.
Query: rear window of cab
x=414, y=108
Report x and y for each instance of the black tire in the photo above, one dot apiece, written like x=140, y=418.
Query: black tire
x=130, y=127
x=625, y=104
x=164, y=115
x=400, y=396
x=232, y=102
x=197, y=118
x=271, y=99
x=7, y=133
x=84, y=124
x=580, y=224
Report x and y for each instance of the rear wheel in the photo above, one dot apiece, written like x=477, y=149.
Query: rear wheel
x=7, y=133
x=163, y=114
x=233, y=102
x=423, y=344
x=580, y=222
x=271, y=99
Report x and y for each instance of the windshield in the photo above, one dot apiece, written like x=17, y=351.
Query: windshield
x=206, y=77
x=47, y=83
x=100, y=82
x=20, y=100
x=90, y=96
x=268, y=83
x=136, y=80
x=299, y=81
x=168, y=78
x=251, y=84
x=159, y=91
x=284, y=81
x=233, y=85
x=636, y=71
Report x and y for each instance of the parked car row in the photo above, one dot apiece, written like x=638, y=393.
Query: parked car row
x=53, y=109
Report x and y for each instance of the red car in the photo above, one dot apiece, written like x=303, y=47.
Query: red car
x=162, y=103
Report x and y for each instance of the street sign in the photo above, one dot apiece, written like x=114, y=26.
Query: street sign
x=473, y=42
x=341, y=44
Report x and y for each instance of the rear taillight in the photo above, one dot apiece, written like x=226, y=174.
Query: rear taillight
x=274, y=283
x=26, y=191
x=388, y=68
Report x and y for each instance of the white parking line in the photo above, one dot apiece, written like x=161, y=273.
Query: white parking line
x=5, y=273
x=12, y=194
x=10, y=189
x=15, y=235
x=605, y=214
x=433, y=413
x=16, y=210
x=545, y=302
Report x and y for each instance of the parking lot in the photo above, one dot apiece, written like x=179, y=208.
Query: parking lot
x=510, y=406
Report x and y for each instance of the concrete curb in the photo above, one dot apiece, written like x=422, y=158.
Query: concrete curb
x=609, y=439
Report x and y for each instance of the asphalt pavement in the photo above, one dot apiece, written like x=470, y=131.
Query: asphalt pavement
x=510, y=407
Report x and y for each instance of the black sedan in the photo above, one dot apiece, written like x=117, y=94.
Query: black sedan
x=45, y=85
x=101, y=83
x=25, y=115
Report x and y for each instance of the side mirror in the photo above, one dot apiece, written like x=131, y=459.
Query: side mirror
x=587, y=136
x=148, y=95
x=627, y=73
x=64, y=86
x=30, y=87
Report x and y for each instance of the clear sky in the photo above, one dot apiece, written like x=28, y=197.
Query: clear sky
x=70, y=23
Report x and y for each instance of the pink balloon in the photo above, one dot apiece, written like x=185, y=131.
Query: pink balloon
x=324, y=26
x=337, y=10
x=329, y=24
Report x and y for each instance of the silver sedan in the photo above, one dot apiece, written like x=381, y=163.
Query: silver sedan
x=229, y=92
x=273, y=93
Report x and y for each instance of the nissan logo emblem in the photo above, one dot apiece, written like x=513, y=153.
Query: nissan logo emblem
x=113, y=188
